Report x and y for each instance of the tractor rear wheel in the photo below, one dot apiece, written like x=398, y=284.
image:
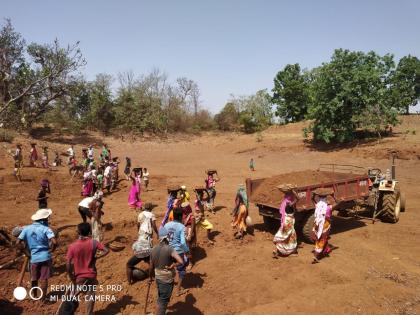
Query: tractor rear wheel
x=391, y=207
x=307, y=226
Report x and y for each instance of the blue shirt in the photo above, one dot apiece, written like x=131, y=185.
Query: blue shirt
x=37, y=236
x=176, y=237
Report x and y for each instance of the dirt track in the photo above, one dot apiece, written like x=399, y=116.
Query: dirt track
x=375, y=270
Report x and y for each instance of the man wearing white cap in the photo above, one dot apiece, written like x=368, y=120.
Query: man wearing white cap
x=40, y=239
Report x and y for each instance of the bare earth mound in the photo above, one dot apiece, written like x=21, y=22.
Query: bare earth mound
x=373, y=270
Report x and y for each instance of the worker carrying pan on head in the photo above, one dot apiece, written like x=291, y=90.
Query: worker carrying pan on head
x=212, y=178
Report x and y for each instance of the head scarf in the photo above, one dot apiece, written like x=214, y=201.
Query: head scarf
x=287, y=200
x=242, y=192
x=320, y=213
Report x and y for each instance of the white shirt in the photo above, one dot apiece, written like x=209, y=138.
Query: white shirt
x=146, y=176
x=90, y=152
x=86, y=202
x=107, y=171
x=145, y=219
x=70, y=151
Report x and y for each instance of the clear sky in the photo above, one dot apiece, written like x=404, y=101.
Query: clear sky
x=226, y=46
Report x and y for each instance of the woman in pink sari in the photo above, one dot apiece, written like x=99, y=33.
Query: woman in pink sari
x=285, y=239
x=34, y=155
x=134, y=201
x=87, y=188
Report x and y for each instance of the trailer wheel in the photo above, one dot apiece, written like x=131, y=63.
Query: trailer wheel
x=402, y=201
x=271, y=223
x=307, y=225
x=391, y=207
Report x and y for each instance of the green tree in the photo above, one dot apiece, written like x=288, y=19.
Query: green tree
x=405, y=84
x=257, y=112
x=291, y=93
x=351, y=85
x=100, y=104
x=33, y=77
x=228, y=118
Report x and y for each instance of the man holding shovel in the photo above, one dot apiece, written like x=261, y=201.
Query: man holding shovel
x=81, y=259
x=40, y=239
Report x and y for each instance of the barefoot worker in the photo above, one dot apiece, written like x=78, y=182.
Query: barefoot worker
x=40, y=240
x=322, y=222
x=176, y=232
x=33, y=156
x=127, y=168
x=80, y=266
x=42, y=194
x=143, y=245
x=134, y=201
x=146, y=177
x=210, y=181
x=18, y=158
x=200, y=217
x=97, y=213
x=285, y=238
x=240, y=212
x=87, y=205
x=164, y=260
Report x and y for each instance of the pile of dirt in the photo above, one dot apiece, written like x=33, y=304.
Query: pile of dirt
x=266, y=191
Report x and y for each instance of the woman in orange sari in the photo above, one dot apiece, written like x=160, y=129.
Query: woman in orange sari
x=240, y=213
x=322, y=223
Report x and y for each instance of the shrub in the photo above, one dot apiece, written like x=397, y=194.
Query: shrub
x=6, y=135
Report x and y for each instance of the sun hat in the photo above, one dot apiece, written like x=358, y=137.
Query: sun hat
x=41, y=214
x=163, y=233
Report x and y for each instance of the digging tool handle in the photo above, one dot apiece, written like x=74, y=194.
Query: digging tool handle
x=147, y=296
x=21, y=274
x=11, y=262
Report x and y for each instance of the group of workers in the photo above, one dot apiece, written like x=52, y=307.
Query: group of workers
x=172, y=256
x=285, y=240
x=33, y=159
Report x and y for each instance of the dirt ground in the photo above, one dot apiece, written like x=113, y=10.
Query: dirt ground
x=374, y=270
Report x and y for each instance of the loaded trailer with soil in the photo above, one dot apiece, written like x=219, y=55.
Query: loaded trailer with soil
x=354, y=188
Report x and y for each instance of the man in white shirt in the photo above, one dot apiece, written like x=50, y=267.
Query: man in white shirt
x=146, y=178
x=70, y=152
x=90, y=152
x=88, y=204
